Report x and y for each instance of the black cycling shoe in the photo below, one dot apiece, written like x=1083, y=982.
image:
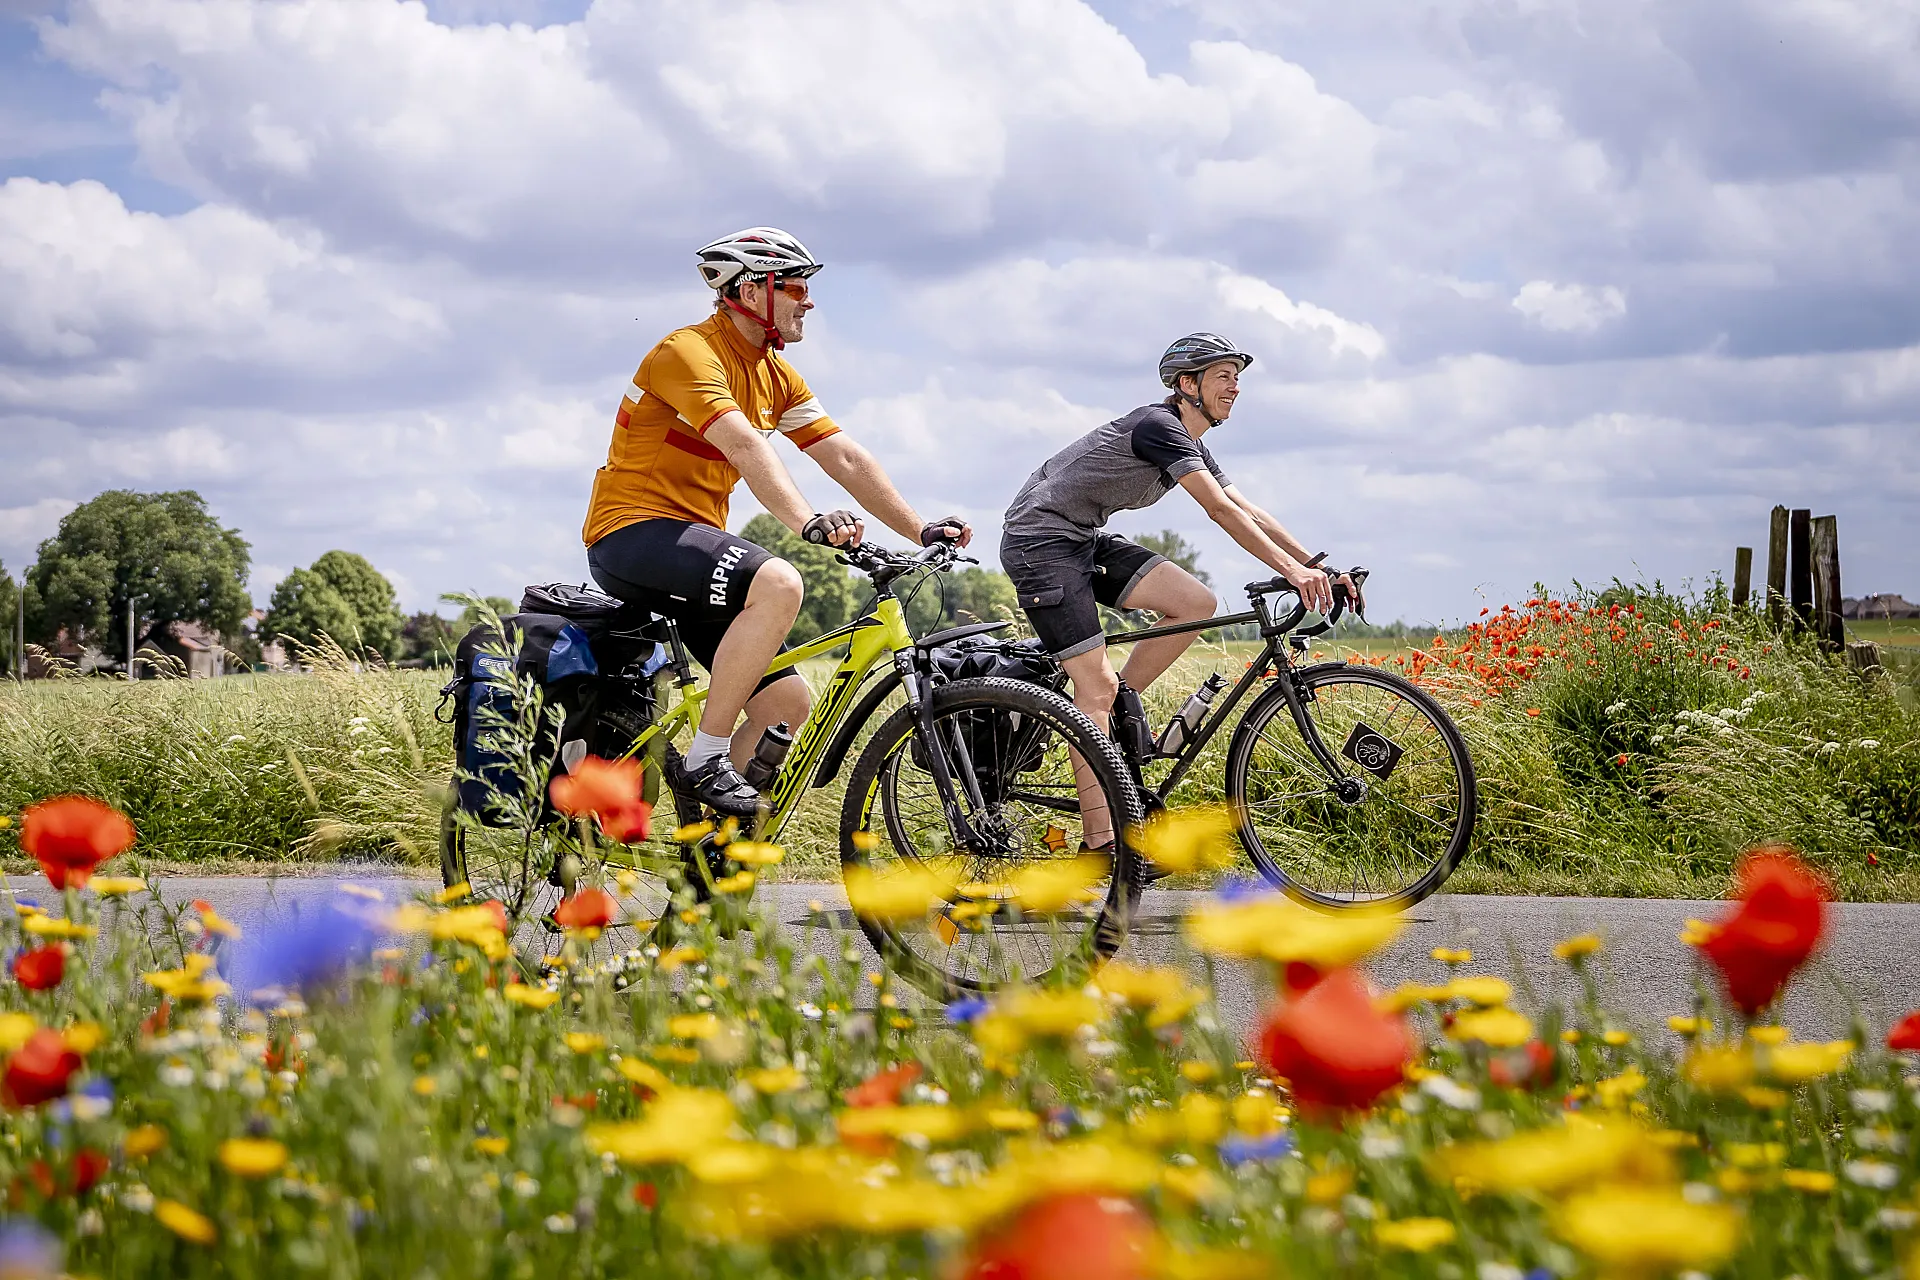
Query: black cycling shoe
x=717, y=785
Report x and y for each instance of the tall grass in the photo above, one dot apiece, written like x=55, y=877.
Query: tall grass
x=1647, y=741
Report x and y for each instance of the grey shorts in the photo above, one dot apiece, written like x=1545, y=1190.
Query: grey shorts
x=1061, y=583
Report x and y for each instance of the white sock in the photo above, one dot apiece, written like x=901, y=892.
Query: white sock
x=705, y=747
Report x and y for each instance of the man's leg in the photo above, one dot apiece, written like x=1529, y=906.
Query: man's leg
x=752, y=640
x=1177, y=596
x=789, y=699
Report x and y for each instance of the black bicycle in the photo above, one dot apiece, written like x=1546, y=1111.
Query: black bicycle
x=1352, y=785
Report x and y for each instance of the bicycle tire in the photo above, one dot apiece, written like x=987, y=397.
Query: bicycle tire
x=875, y=783
x=525, y=886
x=1301, y=839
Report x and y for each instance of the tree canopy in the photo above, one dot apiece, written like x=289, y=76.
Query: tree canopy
x=1177, y=549
x=166, y=547
x=832, y=592
x=9, y=601
x=342, y=597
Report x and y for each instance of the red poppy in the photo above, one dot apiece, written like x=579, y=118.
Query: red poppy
x=1905, y=1036
x=610, y=791
x=1530, y=1066
x=587, y=909
x=646, y=1195
x=1337, y=1052
x=39, y=1070
x=499, y=911
x=883, y=1088
x=40, y=969
x=89, y=1166
x=1775, y=928
x=1082, y=1236
x=71, y=835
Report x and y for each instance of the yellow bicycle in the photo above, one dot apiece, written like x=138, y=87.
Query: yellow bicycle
x=973, y=776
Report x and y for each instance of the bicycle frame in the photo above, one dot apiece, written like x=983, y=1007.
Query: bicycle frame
x=870, y=639
x=1273, y=656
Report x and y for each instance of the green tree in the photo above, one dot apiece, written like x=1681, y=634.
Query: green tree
x=165, y=547
x=979, y=594
x=1177, y=549
x=428, y=638
x=341, y=596
x=471, y=613
x=9, y=602
x=832, y=592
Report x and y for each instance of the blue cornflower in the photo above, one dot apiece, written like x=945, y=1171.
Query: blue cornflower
x=1239, y=1150
x=307, y=950
x=1240, y=888
x=966, y=1010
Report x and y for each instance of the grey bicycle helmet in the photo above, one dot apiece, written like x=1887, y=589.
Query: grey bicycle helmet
x=758, y=251
x=1195, y=352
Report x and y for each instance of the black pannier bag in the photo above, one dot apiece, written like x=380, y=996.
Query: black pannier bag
x=1001, y=744
x=569, y=647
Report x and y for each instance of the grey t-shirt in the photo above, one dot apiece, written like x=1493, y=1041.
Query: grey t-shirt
x=1130, y=463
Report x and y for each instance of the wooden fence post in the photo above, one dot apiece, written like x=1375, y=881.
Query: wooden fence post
x=1776, y=566
x=1742, y=576
x=1824, y=540
x=1800, y=567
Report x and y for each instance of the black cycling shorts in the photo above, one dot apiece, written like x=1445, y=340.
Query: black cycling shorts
x=1061, y=583
x=693, y=573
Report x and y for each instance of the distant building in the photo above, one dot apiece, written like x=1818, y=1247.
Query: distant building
x=198, y=649
x=1884, y=605
x=273, y=652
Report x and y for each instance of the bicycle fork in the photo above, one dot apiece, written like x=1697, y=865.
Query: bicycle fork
x=920, y=697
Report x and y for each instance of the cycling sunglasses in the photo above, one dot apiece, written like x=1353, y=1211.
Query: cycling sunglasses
x=794, y=287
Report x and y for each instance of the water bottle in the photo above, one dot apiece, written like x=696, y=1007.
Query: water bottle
x=1186, y=721
x=768, y=754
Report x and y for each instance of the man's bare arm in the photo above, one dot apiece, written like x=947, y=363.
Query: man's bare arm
x=860, y=474
x=766, y=476
x=1242, y=527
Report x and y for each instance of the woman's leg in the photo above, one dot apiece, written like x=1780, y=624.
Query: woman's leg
x=1177, y=596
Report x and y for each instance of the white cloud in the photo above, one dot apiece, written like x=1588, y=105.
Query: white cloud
x=1569, y=308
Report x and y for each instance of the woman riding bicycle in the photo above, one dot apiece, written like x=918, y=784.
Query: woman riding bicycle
x=1063, y=565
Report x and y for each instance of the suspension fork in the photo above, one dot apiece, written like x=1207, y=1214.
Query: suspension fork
x=920, y=697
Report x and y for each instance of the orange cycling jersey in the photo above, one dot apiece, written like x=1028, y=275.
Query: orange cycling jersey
x=660, y=464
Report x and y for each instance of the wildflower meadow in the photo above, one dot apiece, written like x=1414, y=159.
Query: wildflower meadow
x=423, y=1088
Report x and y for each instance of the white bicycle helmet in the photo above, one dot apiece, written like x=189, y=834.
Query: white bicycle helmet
x=758, y=251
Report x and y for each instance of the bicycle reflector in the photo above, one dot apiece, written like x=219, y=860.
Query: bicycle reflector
x=1372, y=750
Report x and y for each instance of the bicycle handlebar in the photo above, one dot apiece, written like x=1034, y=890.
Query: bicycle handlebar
x=877, y=562
x=1280, y=586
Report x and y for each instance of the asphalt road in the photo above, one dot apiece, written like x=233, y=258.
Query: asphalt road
x=1870, y=966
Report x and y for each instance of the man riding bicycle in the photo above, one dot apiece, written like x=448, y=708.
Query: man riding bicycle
x=1063, y=565
x=695, y=422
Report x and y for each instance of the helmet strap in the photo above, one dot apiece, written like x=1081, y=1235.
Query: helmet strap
x=774, y=339
x=1194, y=399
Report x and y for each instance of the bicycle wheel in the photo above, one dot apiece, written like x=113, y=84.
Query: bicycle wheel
x=1023, y=802
x=528, y=873
x=1386, y=823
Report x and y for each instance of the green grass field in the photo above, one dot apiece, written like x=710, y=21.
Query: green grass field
x=1636, y=770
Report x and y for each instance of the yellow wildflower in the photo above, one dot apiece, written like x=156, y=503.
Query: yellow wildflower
x=754, y=853
x=1415, y=1235
x=116, y=886
x=253, y=1157
x=935, y=1124
x=1275, y=928
x=738, y=882
x=1198, y=1071
x=1499, y=1027
x=490, y=1146
x=904, y=894
x=585, y=1041
x=1798, y=1063
x=45, y=926
x=425, y=1086
x=772, y=1080
x=1186, y=840
x=1577, y=947
x=1141, y=988
x=1452, y=955
x=1648, y=1229
x=84, y=1037
x=692, y=832
x=213, y=922
x=1719, y=1066
x=1407, y=995
x=1771, y=1035
x=1010, y=1119
x=1558, y=1158
x=1481, y=989
x=1194, y=1185
x=1050, y=887
x=192, y=1227
x=1329, y=1187
x=1755, y=1155
x=1763, y=1098
x=1203, y=1117
x=529, y=997
x=452, y=893
x=1615, y=1090
x=693, y=1026
x=1696, y=932
x=731, y=1162
x=1816, y=1182
x=1050, y=1013
x=188, y=983
x=645, y=1075
x=1616, y=1037
x=144, y=1141
x=1258, y=1114
x=1689, y=1026
x=679, y=1124
x=680, y=957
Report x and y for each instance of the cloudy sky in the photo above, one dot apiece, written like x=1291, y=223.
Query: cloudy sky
x=1539, y=289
